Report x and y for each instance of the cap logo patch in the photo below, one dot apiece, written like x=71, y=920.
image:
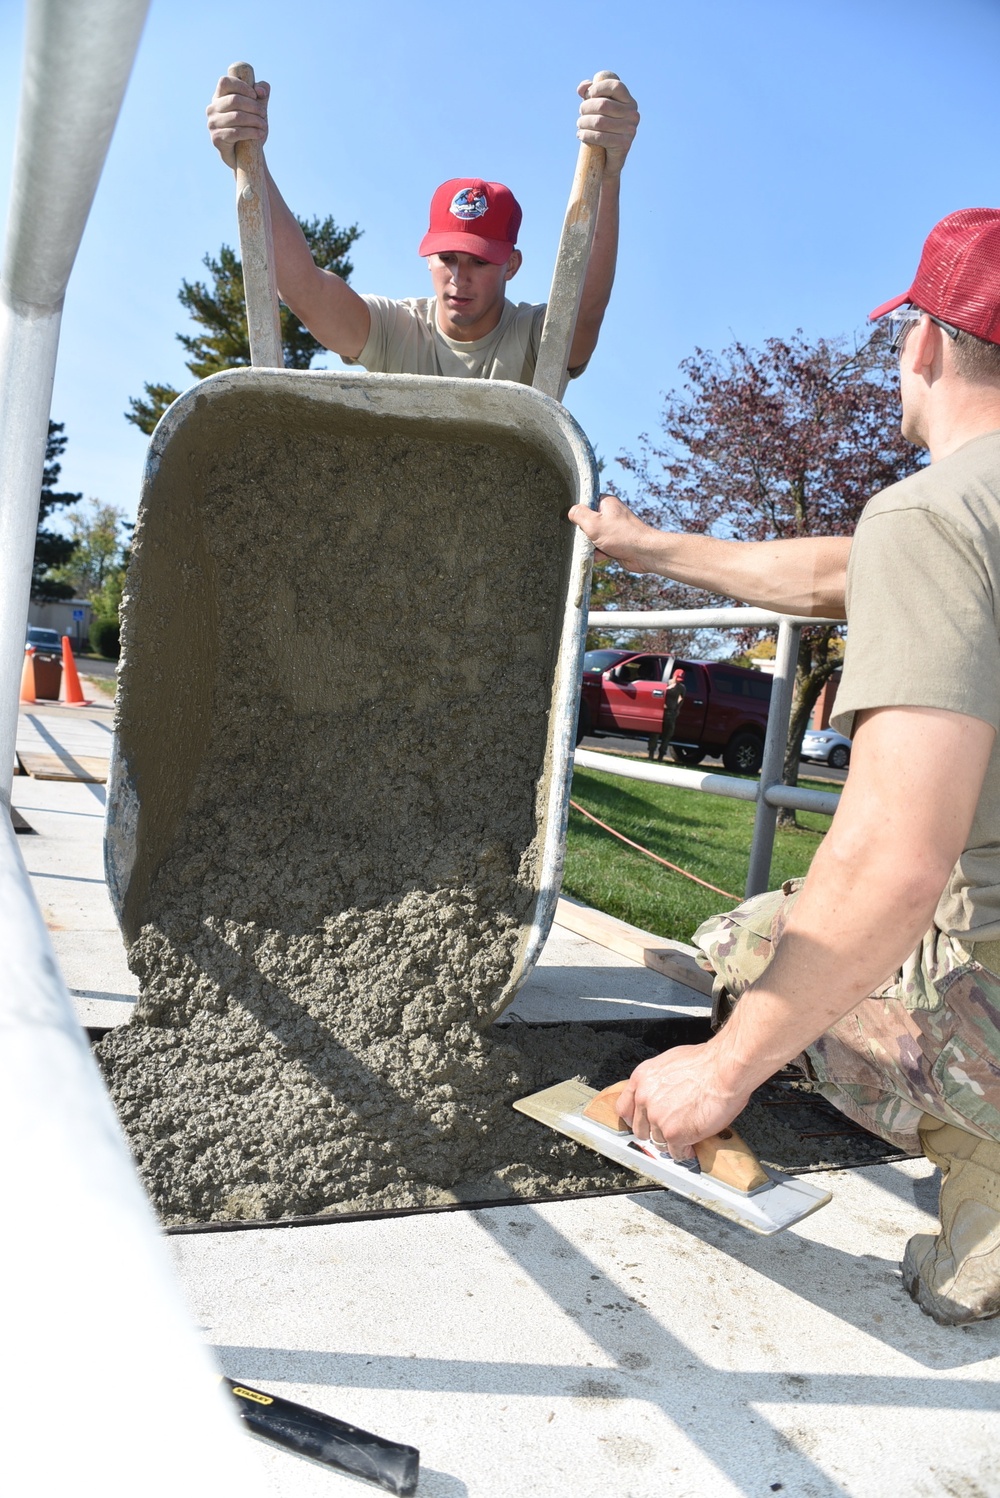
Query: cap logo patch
x=468, y=204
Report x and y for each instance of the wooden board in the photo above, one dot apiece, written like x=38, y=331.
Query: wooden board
x=674, y=959
x=62, y=767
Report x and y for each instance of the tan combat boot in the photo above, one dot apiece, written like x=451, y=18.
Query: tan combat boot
x=955, y=1277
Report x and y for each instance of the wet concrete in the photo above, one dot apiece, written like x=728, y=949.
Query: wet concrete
x=338, y=852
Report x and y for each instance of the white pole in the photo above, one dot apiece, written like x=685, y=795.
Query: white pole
x=104, y=1385
x=78, y=56
x=711, y=618
x=27, y=364
x=775, y=742
x=103, y=1382
x=736, y=788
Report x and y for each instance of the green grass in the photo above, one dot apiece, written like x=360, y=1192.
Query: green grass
x=104, y=686
x=704, y=834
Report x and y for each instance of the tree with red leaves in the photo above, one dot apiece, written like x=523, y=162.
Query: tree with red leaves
x=763, y=444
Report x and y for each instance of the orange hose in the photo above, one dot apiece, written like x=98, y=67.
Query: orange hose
x=654, y=856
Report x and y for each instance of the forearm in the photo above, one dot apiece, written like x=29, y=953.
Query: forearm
x=876, y=917
x=903, y=820
x=800, y=576
x=806, y=576
x=325, y=304
x=854, y=924
x=872, y=890
x=600, y=274
x=295, y=268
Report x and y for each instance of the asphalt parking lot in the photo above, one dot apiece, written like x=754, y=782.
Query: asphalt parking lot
x=612, y=744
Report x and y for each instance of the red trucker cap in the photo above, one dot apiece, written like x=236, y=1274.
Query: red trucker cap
x=958, y=278
x=476, y=217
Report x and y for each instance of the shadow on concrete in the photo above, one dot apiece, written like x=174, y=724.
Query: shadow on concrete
x=862, y=1290
x=437, y=1484
x=61, y=811
x=717, y=1408
x=922, y=1191
x=104, y=996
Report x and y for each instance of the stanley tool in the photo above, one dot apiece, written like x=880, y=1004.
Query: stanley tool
x=727, y=1177
x=326, y=1439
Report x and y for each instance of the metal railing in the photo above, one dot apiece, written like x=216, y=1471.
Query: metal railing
x=768, y=792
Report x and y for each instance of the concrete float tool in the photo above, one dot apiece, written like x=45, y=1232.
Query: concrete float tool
x=726, y=1176
x=256, y=430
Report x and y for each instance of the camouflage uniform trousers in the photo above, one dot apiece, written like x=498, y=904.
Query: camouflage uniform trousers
x=927, y=1042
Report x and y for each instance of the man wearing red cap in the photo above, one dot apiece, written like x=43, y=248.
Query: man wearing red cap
x=658, y=743
x=880, y=972
x=468, y=328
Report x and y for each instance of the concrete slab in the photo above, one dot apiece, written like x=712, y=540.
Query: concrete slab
x=576, y=979
x=39, y=732
x=64, y=858
x=629, y=1345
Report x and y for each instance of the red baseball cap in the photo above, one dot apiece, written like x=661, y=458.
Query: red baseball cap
x=958, y=278
x=475, y=217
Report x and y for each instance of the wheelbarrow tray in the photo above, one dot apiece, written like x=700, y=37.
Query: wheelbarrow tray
x=352, y=644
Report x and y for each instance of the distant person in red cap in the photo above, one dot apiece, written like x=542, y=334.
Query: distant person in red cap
x=675, y=692
x=879, y=974
x=468, y=327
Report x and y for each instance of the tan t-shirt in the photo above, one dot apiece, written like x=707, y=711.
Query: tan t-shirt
x=405, y=339
x=923, y=613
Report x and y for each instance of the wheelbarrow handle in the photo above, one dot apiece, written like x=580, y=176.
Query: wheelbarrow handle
x=572, y=259
x=253, y=208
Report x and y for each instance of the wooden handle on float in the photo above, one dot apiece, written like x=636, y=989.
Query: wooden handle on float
x=725, y=1156
x=253, y=209
x=572, y=259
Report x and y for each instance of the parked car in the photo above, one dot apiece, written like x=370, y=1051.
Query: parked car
x=827, y=746
x=724, y=711
x=43, y=639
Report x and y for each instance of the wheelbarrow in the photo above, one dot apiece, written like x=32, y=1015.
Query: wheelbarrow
x=354, y=624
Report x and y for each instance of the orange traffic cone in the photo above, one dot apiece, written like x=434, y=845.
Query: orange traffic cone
x=71, y=681
x=28, y=676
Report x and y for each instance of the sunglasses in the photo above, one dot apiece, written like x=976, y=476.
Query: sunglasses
x=903, y=319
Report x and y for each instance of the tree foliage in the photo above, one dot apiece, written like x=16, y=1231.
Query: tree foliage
x=95, y=569
x=789, y=440
x=219, y=310
x=105, y=636
x=784, y=441
x=612, y=587
x=52, y=550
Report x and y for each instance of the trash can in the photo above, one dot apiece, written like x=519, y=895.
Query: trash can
x=48, y=674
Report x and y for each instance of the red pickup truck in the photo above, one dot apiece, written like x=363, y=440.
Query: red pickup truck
x=724, y=711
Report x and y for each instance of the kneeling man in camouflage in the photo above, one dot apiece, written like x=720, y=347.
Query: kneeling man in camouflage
x=880, y=972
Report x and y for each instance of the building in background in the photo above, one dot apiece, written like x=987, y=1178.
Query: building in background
x=69, y=616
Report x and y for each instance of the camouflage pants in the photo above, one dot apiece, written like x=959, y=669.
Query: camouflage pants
x=927, y=1042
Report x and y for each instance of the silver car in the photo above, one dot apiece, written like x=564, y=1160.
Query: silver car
x=827, y=746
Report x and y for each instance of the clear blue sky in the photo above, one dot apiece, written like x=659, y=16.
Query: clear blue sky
x=791, y=158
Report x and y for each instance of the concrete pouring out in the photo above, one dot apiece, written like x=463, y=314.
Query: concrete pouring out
x=344, y=854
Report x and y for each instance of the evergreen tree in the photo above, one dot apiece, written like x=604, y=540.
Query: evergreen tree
x=220, y=311
x=51, y=549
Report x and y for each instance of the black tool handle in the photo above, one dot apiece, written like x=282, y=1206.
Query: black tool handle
x=325, y=1439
